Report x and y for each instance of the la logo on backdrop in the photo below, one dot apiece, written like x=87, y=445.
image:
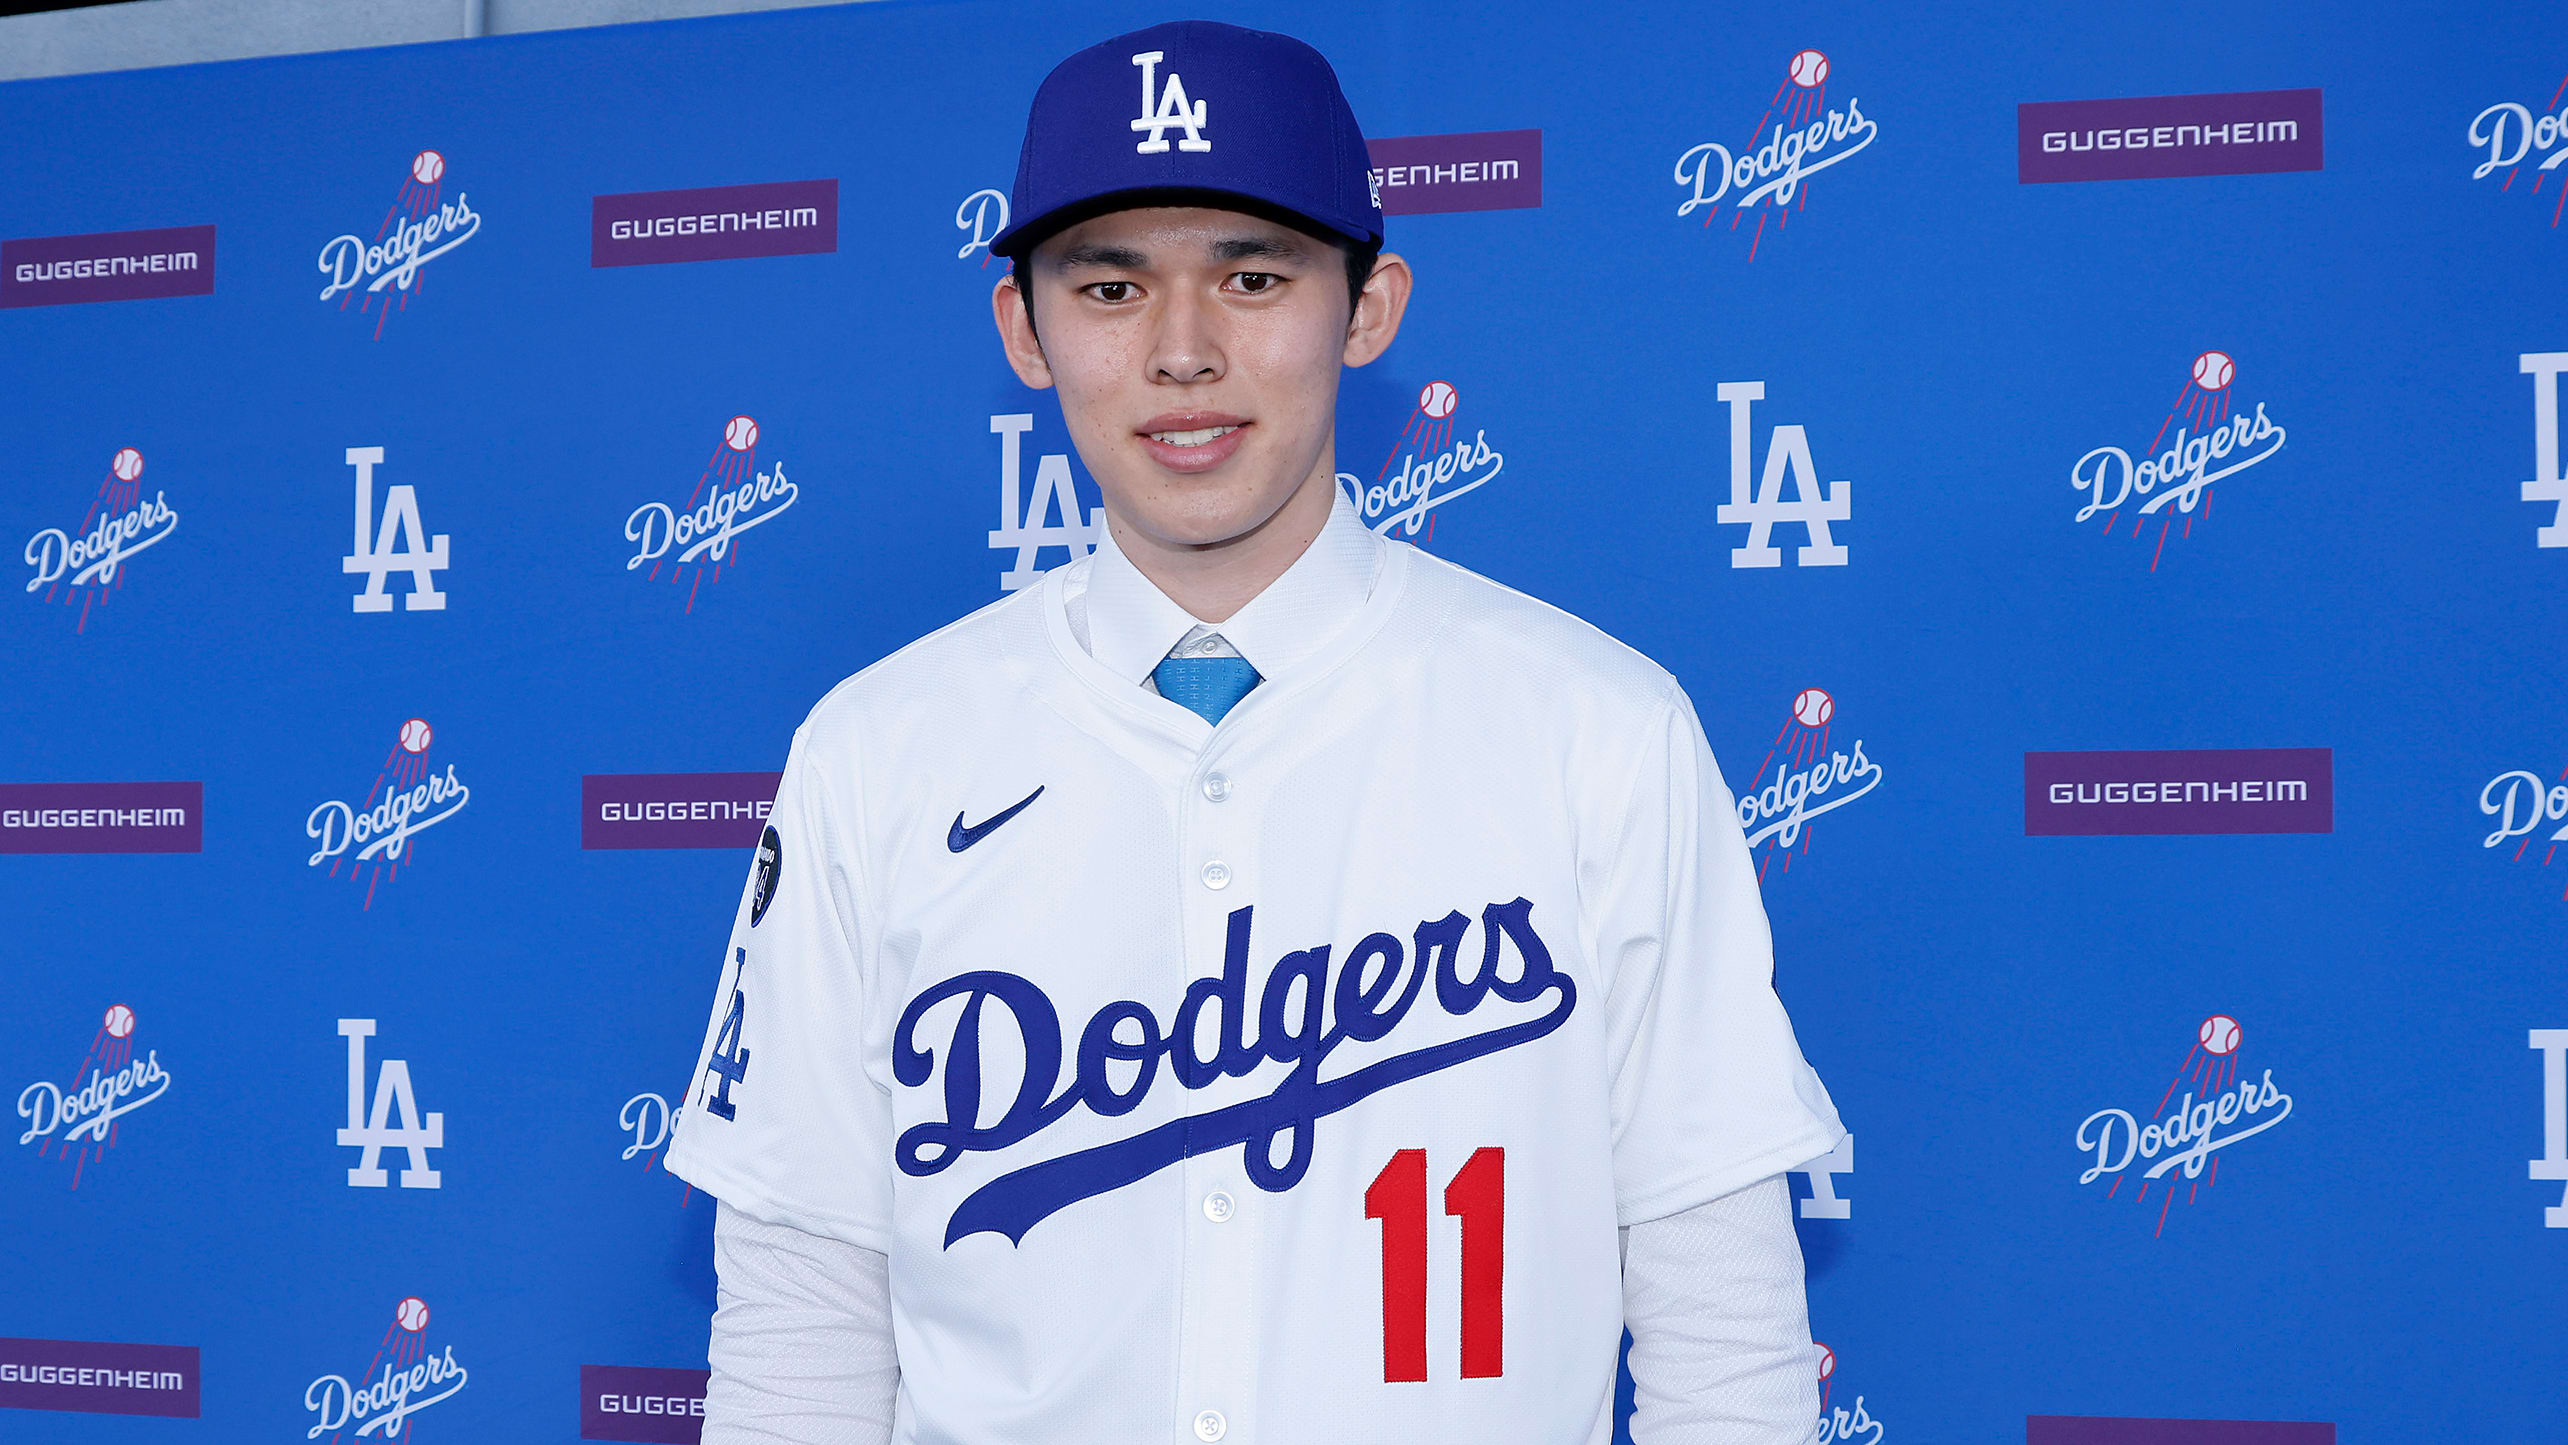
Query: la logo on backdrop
x=2206, y=438
x=420, y=226
x=1026, y=521
x=79, y=1120
x=85, y=563
x=1425, y=469
x=2549, y=483
x=730, y=496
x=1757, y=498
x=405, y=1375
x=2510, y=139
x=1799, y=135
x=2552, y=1166
x=408, y=797
x=2224, y=1103
x=1802, y=775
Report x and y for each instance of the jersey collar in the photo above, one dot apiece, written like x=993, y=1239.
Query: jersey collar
x=1131, y=624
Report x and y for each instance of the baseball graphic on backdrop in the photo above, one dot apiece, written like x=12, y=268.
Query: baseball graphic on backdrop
x=120, y=1022
x=2212, y=370
x=412, y=1314
x=1437, y=399
x=1812, y=707
x=127, y=465
x=2220, y=1034
x=1827, y=1361
x=426, y=167
x=415, y=735
x=1809, y=68
x=741, y=434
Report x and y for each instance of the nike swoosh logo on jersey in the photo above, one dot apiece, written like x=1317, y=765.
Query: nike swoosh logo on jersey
x=959, y=837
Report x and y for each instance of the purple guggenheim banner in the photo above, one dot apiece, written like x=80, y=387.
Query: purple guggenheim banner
x=675, y=810
x=102, y=817
x=1490, y=170
x=2152, y=137
x=634, y=1402
x=107, y=266
x=2097, y=1430
x=2200, y=790
x=714, y=223
x=99, y=1378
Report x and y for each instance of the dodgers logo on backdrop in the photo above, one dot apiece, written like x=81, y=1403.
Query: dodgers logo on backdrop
x=403, y=544
x=85, y=563
x=2528, y=809
x=78, y=1120
x=2221, y=1106
x=731, y=495
x=2205, y=441
x=952, y=1027
x=1432, y=468
x=981, y=217
x=408, y=798
x=2552, y=1166
x=405, y=1376
x=2549, y=484
x=1772, y=178
x=421, y=226
x=372, y=1132
x=1802, y=776
x=1757, y=501
x=2509, y=139
x=1841, y=1424
x=1026, y=523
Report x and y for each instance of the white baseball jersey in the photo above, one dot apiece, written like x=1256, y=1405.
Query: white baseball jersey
x=1279, y=1082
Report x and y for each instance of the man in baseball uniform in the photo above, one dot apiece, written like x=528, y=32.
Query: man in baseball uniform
x=1264, y=983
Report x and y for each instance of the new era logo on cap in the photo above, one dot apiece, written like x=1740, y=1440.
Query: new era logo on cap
x=1290, y=142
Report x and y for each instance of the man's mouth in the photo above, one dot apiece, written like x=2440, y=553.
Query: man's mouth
x=1193, y=438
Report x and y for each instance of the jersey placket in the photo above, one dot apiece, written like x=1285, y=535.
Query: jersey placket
x=1220, y=1219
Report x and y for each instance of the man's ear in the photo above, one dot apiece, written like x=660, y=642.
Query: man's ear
x=1016, y=334
x=1378, y=309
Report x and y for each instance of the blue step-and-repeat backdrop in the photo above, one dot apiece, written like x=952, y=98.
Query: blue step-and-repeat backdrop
x=2098, y=474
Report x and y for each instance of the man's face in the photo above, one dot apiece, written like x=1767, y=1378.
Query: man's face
x=1197, y=355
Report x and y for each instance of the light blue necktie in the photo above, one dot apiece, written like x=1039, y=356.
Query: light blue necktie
x=1206, y=686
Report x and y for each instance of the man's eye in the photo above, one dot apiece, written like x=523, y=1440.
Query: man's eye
x=1254, y=282
x=1112, y=290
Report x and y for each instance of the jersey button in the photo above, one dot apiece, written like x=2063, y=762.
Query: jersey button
x=1211, y=1426
x=1217, y=786
x=1217, y=874
x=1217, y=1206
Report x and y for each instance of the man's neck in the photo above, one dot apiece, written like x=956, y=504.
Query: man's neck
x=1214, y=580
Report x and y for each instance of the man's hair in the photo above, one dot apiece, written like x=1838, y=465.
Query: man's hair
x=1360, y=261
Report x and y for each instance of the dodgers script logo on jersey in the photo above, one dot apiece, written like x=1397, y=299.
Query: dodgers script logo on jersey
x=408, y=797
x=85, y=563
x=2526, y=807
x=1772, y=178
x=1362, y=1004
x=2208, y=443
x=1433, y=468
x=405, y=1376
x=2549, y=484
x=1801, y=776
x=731, y=495
x=78, y=1120
x=2220, y=1107
x=2509, y=138
x=420, y=226
x=981, y=217
x=1026, y=524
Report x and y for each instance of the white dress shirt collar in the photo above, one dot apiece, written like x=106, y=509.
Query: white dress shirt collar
x=1132, y=625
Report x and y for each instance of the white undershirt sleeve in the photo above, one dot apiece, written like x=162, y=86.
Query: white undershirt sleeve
x=802, y=1339
x=1721, y=1351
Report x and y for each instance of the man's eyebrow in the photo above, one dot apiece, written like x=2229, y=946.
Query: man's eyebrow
x=1119, y=258
x=1253, y=248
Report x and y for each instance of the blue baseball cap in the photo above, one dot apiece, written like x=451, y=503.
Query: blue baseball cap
x=1192, y=112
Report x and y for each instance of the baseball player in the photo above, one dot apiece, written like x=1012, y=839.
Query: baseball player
x=1263, y=983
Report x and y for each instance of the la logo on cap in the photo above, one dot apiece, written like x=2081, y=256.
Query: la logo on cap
x=1166, y=109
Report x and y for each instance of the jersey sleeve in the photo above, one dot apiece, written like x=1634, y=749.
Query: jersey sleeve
x=1709, y=1090
x=782, y=1120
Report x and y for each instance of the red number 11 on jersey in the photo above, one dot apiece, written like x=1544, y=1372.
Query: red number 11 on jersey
x=1478, y=1195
